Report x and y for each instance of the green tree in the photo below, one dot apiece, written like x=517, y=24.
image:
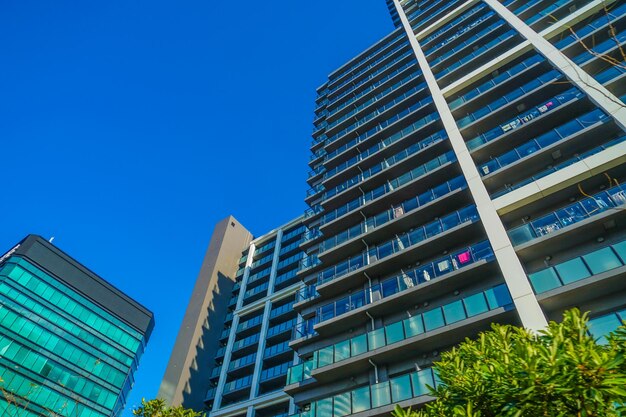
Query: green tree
x=157, y=408
x=509, y=372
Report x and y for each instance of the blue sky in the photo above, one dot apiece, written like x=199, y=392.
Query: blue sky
x=129, y=128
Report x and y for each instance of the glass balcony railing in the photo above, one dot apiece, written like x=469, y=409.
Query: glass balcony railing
x=395, y=212
x=276, y=349
x=436, y=9
x=304, y=329
x=377, y=168
x=385, y=93
x=275, y=372
x=495, y=81
x=510, y=187
x=424, y=143
x=306, y=293
x=241, y=362
x=281, y=328
x=601, y=326
x=548, y=11
x=471, y=12
x=248, y=324
x=373, y=74
x=344, y=71
x=460, y=32
x=348, y=100
x=279, y=311
x=525, y=6
x=369, y=67
x=390, y=186
x=473, y=39
x=399, y=331
x=399, y=243
x=242, y=343
x=382, y=124
x=606, y=200
x=581, y=267
x=543, y=141
x=311, y=234
x=369, y=397
x=238, y=384
x=607, y=17
x=308, y=262
x=601, y=48
x=609, y=74
x=510, y=34
x=547, y=78
x=407, y=280
x=287, y=276
x=524, y=118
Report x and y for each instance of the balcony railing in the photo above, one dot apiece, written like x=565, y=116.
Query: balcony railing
x=546, y=172
x=390, y=186
x=407, y=280
x=395, y=212
x=497, y=80
x=473, y=39
x=516, y=93
x=399, y=243
x=471, y=12
x=581, y=267
x=599, y=23
x=400, y=388
x=238, y=384
x=524, y=118
x=543, y=141
x=611, y=199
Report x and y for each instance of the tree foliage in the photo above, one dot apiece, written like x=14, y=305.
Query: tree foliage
x=157, y=408
x=509, y=372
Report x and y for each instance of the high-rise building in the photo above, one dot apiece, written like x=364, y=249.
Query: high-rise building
x=70, y=342
x=465, y=170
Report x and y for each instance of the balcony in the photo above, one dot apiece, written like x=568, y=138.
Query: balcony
x=407, y=185
x=595, y=274
x=408, y=248
x=439, y=327
x=569, y=138
x=378, y=399
x=445, y=28
x=552, y=230
x=397, y=219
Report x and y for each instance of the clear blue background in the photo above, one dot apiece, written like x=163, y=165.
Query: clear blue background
x=129, y=128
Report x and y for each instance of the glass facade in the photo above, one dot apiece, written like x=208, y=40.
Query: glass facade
x=60, y=351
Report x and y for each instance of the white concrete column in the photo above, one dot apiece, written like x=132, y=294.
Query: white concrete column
x=526, y=303
x=596, y=92
x=258, y=365
x=217, y=402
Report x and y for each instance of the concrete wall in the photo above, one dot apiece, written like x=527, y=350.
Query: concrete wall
x=186, y=378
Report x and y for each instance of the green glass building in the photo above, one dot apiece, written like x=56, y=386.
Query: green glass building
x=69, y=341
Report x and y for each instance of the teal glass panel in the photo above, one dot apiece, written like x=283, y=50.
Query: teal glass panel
x=498, y=297
x=401, y=388
x=342, y=351
x=602, y=260
x=358, y=345
x=308, y=367
x=421, y=380
x=572, y=270
x=454, y=312
x=394, y=332
x=295, y=374
x=341, y=405
x=380, y=395
x=620, y=248
x=324, y=407
x=475, y=304
x=413, y=326
x=361, y=400
x=376, y=339
x=600, y=327
x=433, y=319
x=325, y=356
x=545, y=280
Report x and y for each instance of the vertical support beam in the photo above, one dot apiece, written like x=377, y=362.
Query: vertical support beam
x=258, y=364
x=217, y=402
x=596, y=92
x=526, y=303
